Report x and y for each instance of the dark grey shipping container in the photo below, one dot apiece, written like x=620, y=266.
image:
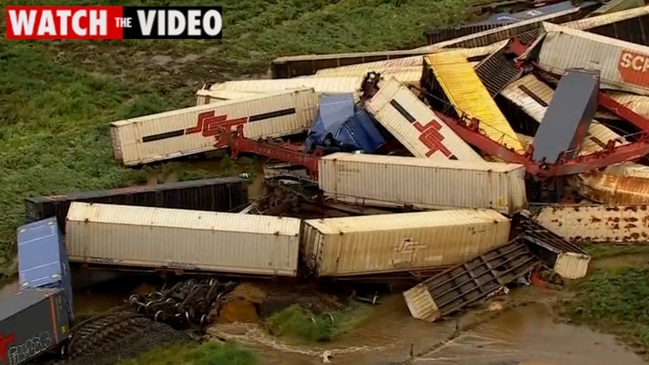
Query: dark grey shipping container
x=218, y=195
x=32, y=322
x=566, y=121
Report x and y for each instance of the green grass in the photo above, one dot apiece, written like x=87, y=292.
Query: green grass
x=615, y=301
x=298, y=324
x=209, y=353
x=56, y=98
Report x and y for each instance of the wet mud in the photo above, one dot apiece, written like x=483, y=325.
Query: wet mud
x=520, y=328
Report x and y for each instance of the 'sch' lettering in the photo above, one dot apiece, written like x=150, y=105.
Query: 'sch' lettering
x=209, y=124
x=634, y=68
x=432, y=138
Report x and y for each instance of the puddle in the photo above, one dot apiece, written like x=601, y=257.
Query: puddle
x=525, y=335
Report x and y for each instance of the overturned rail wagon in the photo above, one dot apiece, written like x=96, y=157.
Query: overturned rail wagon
x=32, y=323
x=416, y=126
x=321, y=85
x=219, y=194
x=391, y=181
x=158, y=239
x=189, y=131
x=42, y=259
x=404, y=242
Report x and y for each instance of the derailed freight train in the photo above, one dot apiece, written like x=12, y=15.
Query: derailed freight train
x=37, y=319
x=157, y=239
x=219, y=194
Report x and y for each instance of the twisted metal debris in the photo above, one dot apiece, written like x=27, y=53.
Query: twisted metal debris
x=185, y=303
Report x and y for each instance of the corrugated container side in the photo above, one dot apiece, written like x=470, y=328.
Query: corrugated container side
x=447, y=184
x=364, y=68
x=572, y=265
x=219, y=194
x=321, y=85
x=622, y=224
x=637, y=103
x=293, y=66
x=42, y=259
x=36, y=322
x=173, y=239
x=421, y=304
x=536, y=104
x=386, y=243
x=612, y=189
x=116, y=142
x=310, y=245
x=416, y=126
x=204, y=96
x=516, y=92
x=461, y=85
x=621, y=63
x=191, y=130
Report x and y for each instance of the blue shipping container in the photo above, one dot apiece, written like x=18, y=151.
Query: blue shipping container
x=42, y=259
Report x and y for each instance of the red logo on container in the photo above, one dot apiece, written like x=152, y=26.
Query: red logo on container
x=432, y=138
x=634, y=68
x=4, y=343
x=209, y=124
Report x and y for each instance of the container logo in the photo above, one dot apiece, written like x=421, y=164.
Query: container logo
x=5, y=341
x=634, y=68
x=209, y=124
x=432, y=138
x=409, y=246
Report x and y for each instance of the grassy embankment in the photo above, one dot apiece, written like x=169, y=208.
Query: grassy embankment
x=297, y=324
x=57, y=97
x=613, y=298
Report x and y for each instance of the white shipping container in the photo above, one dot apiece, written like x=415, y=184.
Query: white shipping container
x=321, y=85
x=606, y=19
x=400, y=242
x=423, y=183
x=361, y=69
x=408, y=75
x=583, y=224
x=416, y=126
x=205, y=96
x=638, y=103
x=178, y=239
x=623, y=65
x=192, y=130
x=404, y=62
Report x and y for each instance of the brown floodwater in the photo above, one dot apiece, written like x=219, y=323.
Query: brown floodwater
x=525, y=334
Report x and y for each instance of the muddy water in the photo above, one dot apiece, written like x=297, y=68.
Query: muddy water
x=524, y=334
x=521, y=335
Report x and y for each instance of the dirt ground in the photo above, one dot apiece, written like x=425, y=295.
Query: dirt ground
x=251, y=302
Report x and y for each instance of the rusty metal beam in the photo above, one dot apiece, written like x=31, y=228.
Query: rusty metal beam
x=623, y=112
x=286, y=153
